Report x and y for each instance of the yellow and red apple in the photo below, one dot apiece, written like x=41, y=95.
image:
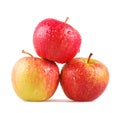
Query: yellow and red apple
x=35, y=79
x=84, y=79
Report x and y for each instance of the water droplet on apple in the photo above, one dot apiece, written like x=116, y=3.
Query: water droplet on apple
x=68, y=32
x=73, y=78
x=47, y=23
x=55, y=30
x=52, y=36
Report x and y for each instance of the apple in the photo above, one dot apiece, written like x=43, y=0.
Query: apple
x=84, y=79
x=56, y=40
x=35, y=79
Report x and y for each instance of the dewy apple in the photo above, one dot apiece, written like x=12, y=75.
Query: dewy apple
x=56, y=40
x=35, y=79
x=84, y=79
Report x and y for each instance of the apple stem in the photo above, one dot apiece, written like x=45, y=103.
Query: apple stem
x=66, y=19
x=89, y=57
x=23, y=51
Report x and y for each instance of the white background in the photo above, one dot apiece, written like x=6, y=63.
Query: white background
x=98, y=22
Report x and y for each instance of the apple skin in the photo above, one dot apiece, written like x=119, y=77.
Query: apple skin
x=56, y=40
x=82, y=81
x=35, y=79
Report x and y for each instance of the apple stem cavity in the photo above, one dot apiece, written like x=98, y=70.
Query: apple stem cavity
x=25, y=52
x=89, y=58
x=66, y=19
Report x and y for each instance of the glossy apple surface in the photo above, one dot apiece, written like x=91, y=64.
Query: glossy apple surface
x=35, y=79
x=82, y=80
x=56, y=40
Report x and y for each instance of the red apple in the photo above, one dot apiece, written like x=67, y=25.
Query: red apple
x=84, y=79
x=56, y=40
x=35, y=79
